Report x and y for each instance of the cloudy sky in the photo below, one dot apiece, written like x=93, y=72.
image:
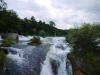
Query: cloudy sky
x=65, y=13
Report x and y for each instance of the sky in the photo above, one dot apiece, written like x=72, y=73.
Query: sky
x=65, y=13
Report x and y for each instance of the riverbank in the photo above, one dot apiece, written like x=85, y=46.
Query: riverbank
x=85, y=65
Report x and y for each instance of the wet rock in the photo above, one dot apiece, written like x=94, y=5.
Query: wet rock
x=76, y=64
x=54, y=64
x=13, y=36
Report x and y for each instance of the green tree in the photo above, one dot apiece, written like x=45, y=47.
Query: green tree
x=9, y=22
x=42, y=33
x=35, y=41
x=33, y=19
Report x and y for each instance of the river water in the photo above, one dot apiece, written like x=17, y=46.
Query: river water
x=49, y=58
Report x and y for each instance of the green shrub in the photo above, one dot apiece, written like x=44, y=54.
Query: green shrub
x=83, y=39
x=2, y=55
x=42, y=33
x=35, y=41
x=84, y=42
x=2, y=59
x=7, y=43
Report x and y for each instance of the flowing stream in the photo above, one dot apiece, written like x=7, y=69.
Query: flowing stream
x=49, y=58
x=56, y=62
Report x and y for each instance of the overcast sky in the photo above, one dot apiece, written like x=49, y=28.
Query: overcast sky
x=65, y=13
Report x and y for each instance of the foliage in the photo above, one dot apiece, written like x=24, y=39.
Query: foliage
x=84, y=38
x=42, y=33
x=35, y=41
x=86, y=52
x=10, y=22
x=2, y=59
x=2, y=55
x=7, y=43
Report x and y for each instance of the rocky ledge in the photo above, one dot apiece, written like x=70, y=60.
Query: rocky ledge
x=85, y=65
x=75, y=65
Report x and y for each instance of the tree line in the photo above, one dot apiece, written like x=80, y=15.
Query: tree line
x=10, y=22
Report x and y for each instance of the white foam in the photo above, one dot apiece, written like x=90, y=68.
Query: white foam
x=1, y=38
x=18, y=57
x=25, y=38
x=58, y=52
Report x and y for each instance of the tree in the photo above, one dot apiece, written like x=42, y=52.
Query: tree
x=51, y=23
x=9, y=21
x=42, y=33
x=33, y=19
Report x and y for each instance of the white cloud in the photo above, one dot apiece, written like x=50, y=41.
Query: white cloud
x=45, y=3
x=64, y=12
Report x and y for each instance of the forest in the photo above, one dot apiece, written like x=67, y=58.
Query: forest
x=10, y=22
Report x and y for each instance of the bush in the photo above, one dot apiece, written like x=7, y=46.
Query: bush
x=83, y=39
x=42, y=33
x=86, y=52
x=2, y=59
x=2, y=55
x=7, y=43
x=35, y=41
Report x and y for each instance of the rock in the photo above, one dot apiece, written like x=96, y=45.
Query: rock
x=54, y=64
x=13, y=36
x=76, y=64
x=77, y=72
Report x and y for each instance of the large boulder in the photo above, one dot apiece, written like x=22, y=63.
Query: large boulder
x=12, y=36
x=76, y=64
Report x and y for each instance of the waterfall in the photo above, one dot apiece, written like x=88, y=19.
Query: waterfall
x=49, y=58
x=56, y=62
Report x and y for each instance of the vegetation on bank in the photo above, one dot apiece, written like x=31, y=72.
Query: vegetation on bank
x=2, y=59
x=35, y=41
x=85, y=43
x=7, y=43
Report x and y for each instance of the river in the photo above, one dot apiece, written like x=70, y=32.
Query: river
x=49, y=58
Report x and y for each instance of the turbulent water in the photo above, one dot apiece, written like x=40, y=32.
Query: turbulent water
x=56, y=62
x=50, y=58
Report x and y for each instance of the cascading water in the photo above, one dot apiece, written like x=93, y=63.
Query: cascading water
x=24, y=59
x=56, y=62
x=50, y=58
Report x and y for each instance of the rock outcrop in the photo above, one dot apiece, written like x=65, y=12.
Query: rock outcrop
x=76, y=64
x=13, y=36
